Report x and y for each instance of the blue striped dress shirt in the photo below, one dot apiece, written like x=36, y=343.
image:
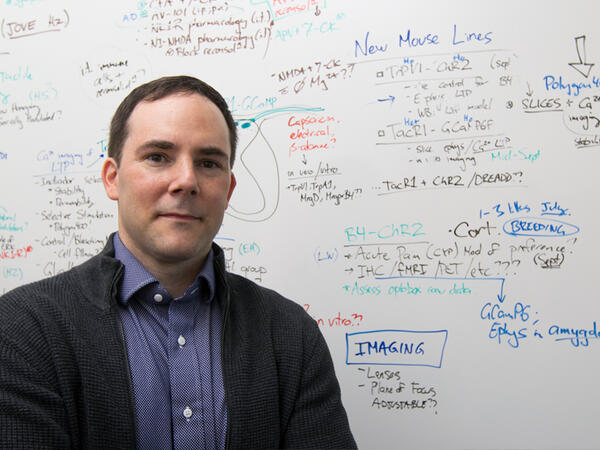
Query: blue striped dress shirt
x=174, y=350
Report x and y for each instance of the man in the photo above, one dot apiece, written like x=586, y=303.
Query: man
x=152, y=343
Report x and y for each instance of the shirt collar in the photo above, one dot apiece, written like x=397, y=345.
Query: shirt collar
x=136, y=276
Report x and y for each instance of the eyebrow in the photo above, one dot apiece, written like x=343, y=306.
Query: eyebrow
x=156, y=143
x=213, y=151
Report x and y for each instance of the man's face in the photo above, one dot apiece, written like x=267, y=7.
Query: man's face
x=174, y=180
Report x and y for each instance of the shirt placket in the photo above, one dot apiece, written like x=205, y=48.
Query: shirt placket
x=185, y=377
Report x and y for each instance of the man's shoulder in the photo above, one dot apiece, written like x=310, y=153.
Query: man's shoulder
x=86, y=281
x=264, y=305
x=38, y=291
x=260, y=296
x=30, y=308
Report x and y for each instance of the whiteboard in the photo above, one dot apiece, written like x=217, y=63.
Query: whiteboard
x=420, y=176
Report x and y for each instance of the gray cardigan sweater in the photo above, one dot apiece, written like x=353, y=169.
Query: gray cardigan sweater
x=64, y=374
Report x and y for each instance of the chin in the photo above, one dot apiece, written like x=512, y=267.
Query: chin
x=176, y=253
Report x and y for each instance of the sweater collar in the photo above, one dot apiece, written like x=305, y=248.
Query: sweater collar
x=100, y=275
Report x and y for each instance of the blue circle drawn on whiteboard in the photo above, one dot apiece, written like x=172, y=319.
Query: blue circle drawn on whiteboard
x=539, y=227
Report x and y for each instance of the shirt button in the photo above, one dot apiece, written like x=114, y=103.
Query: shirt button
x=181, y=341
x=187, y=412
x=158, y=298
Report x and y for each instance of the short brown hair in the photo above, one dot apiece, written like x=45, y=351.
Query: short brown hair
x=155, y=90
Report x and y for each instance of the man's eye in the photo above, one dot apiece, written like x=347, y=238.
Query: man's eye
x=155, y=157
x=209, y=164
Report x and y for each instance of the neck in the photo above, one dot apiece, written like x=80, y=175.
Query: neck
x=175, y=275
x=175, y=278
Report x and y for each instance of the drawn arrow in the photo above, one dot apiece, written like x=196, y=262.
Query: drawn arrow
x=501, y=297
x=582, y=66
x=390, y=98
x=529, y=91
x=304, y=160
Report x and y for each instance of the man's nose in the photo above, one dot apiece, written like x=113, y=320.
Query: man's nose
x=185, y=177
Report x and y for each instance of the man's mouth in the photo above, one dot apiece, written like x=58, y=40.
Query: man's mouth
x=180, y=216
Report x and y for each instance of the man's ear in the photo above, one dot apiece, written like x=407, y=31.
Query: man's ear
x=231, y=186
x=110, y=179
